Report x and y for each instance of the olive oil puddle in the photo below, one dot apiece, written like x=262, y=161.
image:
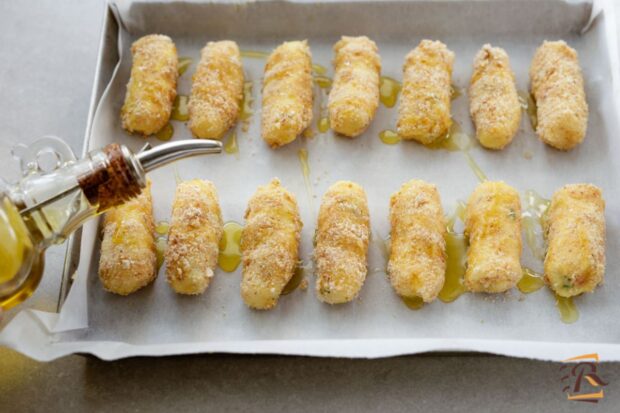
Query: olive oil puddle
x=254, y=54
x=413, y=303
x=183, y=64
x=389, y=90
x=296, y=280
x=162, y=227
x=569, y=313
x=323, y=82
x=530, y=281
x=180, y=110
x=165, y=134
x=230, y=247
x=231, y=146
x=529, y=106
x=533, y=219
x=456, y=257
x=245, y=115
x=389, y=137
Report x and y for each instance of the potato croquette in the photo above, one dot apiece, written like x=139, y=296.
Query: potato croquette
x=342, y=236
x=557, y=87
x=128, y=259
x=575, y=232
x=424, y=110
x=354, y=97
x=493, y=228
x=493, y=100
x=269, y=245
x=417, y=263
x=193, y=239
x=217, y=90
x=287, y=93
x=152, y=86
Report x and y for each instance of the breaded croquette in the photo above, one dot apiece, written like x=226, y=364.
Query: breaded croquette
x=424, y=110
x=269, y=245
x=342, y=236
x=194, y=236
x=493, y=228
x=557, y=87
x=217, y=90
x=493, y=100
x=128, y=260
x=287, y=93
x=152, y=86
x=354, y=96
x=575, y=232
x=417, y=264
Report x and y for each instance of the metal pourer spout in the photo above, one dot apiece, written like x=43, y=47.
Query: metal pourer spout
x=169, y=152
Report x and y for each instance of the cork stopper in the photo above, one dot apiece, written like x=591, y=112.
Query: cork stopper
x=112, y=180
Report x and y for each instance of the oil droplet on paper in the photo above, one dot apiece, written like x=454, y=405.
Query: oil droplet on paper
x=230, y=247
x=567, y=308
x=389, y=137
x=184, y=64
x=389, y=89
x=530, y=282
x=180, y=110
x=165, y=134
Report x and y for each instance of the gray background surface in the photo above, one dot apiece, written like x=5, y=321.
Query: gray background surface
x=48, y=51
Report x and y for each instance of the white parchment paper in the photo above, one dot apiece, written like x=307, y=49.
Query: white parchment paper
x=156, y=321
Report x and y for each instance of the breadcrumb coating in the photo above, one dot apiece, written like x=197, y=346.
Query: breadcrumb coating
x=417, y=263
x=269, y=245
x=128, y=259
x=342, y=236
x=152, y=86
x=575, y=231
x=424, y=110
x=493, y=100
x=354, y=96
x=493, y=228
x=557, y=87
x=217, y=90
x=287, y=93
x=196, y=228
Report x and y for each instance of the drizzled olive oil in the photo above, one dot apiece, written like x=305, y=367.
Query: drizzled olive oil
x=160, y=249
x=231, y=146
x=295, y=281
x=389, y=89
x=323, y=124
x=456, y=258
x=230, y=247
x=530, y=282
x=319, y=69
x=567, y=309
x=162, y=227
x=529, y=106
x=413, y=303
x=389, y=137
x=323, y=82
x=180, y=110
x=455, y=92
x=165, y=134
x=184, y=64
x=254, y=54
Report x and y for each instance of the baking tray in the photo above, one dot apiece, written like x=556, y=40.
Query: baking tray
x=377, y=324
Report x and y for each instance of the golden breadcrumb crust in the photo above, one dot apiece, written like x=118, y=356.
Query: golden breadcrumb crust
x=217, y=90
x=269, y=245
x=493, y=228
x=152, y=86
x=575, y=232
x=287, y=93
x=196, y=228
x=128, y=260
x=557, y=86
x=417, y=263
x=354, y=96
x=342, y=236
x=424, y=110
x=493, y=100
